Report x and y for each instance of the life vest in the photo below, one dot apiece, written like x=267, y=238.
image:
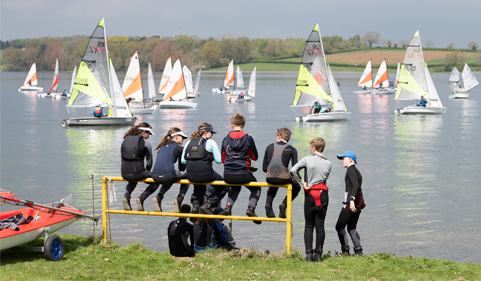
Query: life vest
x=196, y=149
x=276, y=169
x=133, y=148
x=199, y=160
x=98, y=111
x=164, y=164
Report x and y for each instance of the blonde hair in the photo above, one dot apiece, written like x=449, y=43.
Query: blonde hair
x=199, y=133
x=318, y=143
x=238, y=120
x=284, y=133
x=167, y=138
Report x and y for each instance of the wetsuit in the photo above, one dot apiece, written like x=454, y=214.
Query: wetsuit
x=275, y=165
x=180, y=233
x=198, y=155
x=167, y=155
x=133, y=151
x=316, y=200
x=238, y=149
x=353, y=180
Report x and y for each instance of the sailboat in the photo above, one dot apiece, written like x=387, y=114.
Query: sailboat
x=397, y=74
x=189, y=84
x=31, y=81
x=151, y=84
x=250, y=93
x=316, y=83
x=165, y=76
x=469, y=81
x=54, y=83
x=97, y=83
x=381, y=83
x=366, y=79
x=228, y=80
x=454, y=77
x=132, y=88
x=416, y=81
x=197, y=83
x=176, y=94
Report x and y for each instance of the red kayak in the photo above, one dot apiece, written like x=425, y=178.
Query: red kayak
x=38, y=220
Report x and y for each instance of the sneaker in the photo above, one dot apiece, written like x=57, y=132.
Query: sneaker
x=269, y=211
x=358, y=251
x=251, y=213
x=176, y=206
x=317, y=255
x=140, y=204
x=227, y=211
x=309, y=256
x=282, y=210
x=195, y=210
x=126, y=203
x=157, y=204
x=205, y=209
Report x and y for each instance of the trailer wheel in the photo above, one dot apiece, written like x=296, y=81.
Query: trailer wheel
x=54, y=248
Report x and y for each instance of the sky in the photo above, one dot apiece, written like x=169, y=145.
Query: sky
x=441, y=21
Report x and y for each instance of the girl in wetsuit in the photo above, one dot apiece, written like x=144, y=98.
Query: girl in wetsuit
x=353, y=204
x=134, y=149
x=317, y=170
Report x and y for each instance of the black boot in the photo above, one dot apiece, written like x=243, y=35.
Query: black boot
x=358, y=251
x=309, y=256
x=269, y=211
x=126, y=202
x=195, y=210
x=158, y=203
x=205, y=208
x=345, y=251
x=251, y=212
x=227, y=211
x=317, y=255
x=282, y=210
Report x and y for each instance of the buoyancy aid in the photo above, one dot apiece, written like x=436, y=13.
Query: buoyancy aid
x=276, y=169
x=164, y=164
x=132, y=152
x=98, y=111
x=315, y=191
x=199, y=160
x=196, y=149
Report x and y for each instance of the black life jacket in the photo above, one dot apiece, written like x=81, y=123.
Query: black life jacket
x=199, y=160
x=133, y=148
x=196, y=149
x=276, y=168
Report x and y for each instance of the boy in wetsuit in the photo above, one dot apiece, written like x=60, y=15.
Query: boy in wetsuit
x=317, y=170
x=238, y=149
x=180, y=232
x=275, y=165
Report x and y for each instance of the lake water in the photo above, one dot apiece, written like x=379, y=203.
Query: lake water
x=420, y=177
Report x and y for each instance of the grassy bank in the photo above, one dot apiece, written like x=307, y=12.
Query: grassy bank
x=135, y=262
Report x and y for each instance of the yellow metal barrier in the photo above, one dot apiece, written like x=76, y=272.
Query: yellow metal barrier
x=288, y=220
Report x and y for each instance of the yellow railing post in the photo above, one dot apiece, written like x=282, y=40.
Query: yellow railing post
x=289, y=219
x=104, y=207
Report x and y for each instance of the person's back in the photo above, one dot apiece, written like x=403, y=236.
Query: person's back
x=180, y=233
x=98, y=112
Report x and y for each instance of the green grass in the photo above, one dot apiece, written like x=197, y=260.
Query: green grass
x=136, y=262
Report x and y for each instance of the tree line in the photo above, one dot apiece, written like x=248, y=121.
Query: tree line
x=19, y=54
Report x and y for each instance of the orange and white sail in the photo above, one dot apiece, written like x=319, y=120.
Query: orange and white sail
x=397, y=72
x=366, y=78
x=132, y=86
x=229, y=75
x=32, y=76
x=165, y=76
x=176, y=85
x=55, y=78
x=382, y=77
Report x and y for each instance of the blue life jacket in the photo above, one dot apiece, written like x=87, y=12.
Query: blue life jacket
x=164, y=164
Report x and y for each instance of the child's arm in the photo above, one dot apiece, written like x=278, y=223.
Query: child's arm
x=296, y=169
x=212, y=147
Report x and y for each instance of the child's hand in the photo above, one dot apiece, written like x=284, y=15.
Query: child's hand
x=353, y=208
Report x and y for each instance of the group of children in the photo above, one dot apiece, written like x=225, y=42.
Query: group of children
x=237, y=151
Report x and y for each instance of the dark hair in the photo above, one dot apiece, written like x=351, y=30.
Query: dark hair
x=184, y=209
x=135, y=129
x=167, y=138
x=200, y=132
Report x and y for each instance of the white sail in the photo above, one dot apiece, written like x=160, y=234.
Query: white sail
x=55, y=78
x=397, y=72
x=337, y=101
x=382, y=77
x=366, y=78
x=151, y=83
x=454, y=77
x=252, y=84
x=469, y=79
x=74, y=74
x=189, y=87
x=229, y=75
x=433, y=100
x=132, y=86
x=165, y=76
x=32, y=76
x=240, y=78
x=197, y=82
x=119, y=104
x=176, y=85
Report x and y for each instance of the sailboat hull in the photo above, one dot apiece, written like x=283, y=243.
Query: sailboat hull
x=148, y=110
x=325, y=117
x=102, y=121
x=30, y=89
x=192, y=95
x=377, y=92
x=177, y=105
x=420, y=110
x=464, y=95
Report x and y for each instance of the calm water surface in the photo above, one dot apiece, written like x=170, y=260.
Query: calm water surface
x=420, y=174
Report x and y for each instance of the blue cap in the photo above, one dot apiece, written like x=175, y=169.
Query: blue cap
x=218, y=210
x=209, y=128
x=349, y=154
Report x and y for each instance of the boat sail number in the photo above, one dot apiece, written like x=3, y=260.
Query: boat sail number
x=315, y=50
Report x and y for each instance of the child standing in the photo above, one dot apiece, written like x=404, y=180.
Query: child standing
x=317, y=170
x=238, y=149
x=353, y=204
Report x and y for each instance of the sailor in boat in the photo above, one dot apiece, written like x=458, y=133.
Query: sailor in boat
x=128, y=100
x=98, y=112
x=29, y=82
x=240, y=96
x=422, y=102
x=317, y=107
x=135, y=147
x=169, y=151
x=181, y=236
x=64, y=93
x=325, y=109
x=49, y=92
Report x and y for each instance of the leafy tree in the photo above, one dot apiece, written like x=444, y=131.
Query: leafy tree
x=244, y=48
x=273, y=48
x=450, y=46
x=167, y=48
x=211, y=54
x=404, y=43
x=228, y=49
x=355, y=41
x=389, y=43
x=473, y=46
x=429, y=43
x=453, y=59
x=185, y=43
x=371, y=38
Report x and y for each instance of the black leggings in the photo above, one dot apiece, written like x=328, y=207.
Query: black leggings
x=235, y=190
x=315, y=219
x=346, y=217
x=133, y=178
x=272, y=191
x=199, y=190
